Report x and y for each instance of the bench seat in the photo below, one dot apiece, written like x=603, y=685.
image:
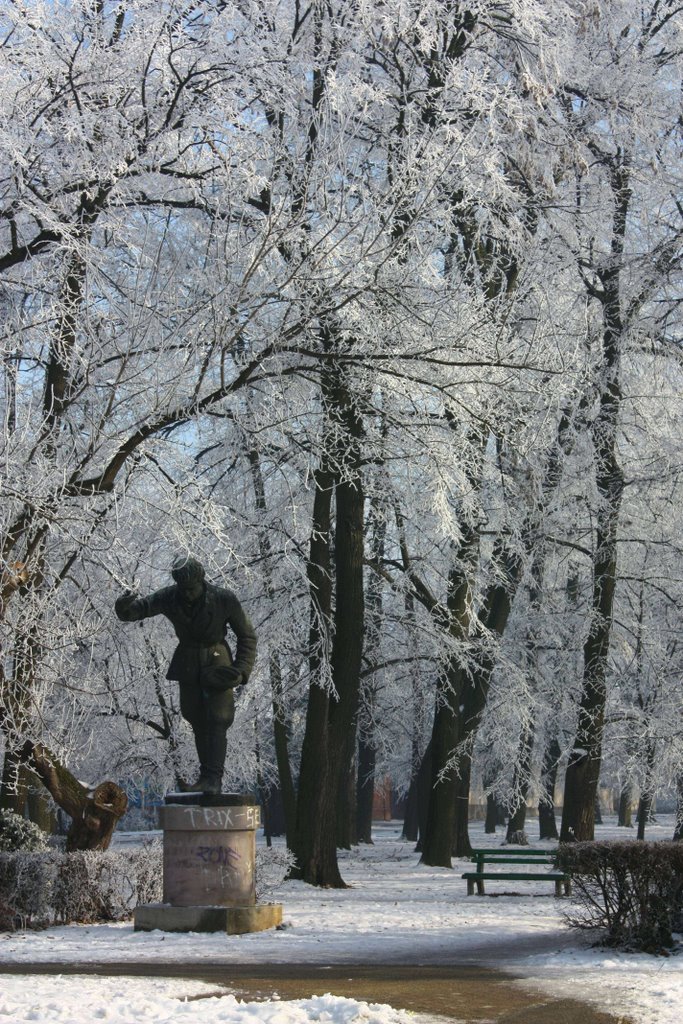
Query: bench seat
x=562, y=881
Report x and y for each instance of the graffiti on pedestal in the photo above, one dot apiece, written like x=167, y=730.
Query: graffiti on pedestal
x=221, y=817
x=223, y=855
x=226, y=866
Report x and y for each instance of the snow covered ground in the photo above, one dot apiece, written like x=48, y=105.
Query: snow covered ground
x=395, y=912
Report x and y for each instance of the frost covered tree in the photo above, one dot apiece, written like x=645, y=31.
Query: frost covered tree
x=307, y=289
x=623, y=111
x=124, y=318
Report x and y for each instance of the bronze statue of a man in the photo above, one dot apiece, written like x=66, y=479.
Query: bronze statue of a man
x=202, y=662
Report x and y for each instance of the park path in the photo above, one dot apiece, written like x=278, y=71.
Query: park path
x=465, y=992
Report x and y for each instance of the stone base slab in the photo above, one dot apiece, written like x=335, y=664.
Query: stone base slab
x=232, y=920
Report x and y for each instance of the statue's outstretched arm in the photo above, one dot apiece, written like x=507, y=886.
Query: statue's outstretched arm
x=129, y=607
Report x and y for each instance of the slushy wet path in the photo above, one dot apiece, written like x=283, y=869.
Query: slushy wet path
x=464, y=993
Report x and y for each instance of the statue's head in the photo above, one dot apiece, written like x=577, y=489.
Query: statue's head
x=189, y=575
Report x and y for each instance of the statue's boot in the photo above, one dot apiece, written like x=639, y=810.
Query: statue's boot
x=204, y=784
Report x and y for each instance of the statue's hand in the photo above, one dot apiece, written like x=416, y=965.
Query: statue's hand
x=126, y=599
x=224, y=677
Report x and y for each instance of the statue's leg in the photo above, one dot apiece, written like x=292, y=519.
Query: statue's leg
x=218, y=717
x=193, y=710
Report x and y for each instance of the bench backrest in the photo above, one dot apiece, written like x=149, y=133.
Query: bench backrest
x=505, y=855
x=507, y=851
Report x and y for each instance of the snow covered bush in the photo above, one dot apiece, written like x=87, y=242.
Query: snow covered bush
x=630, y=890
x=40, y=889
x=26, y=885
x=17, y=833
x=97, y=886
x=273, y=864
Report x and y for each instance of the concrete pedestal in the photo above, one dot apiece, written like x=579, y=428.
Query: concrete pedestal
x=209, y=868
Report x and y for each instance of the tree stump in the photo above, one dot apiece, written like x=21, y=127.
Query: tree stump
x=94, y=812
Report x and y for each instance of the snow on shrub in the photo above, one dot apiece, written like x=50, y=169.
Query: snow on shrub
x=40, y=889
x=54, y=887
x=630, y=890
x=17, y=833
x=273, y=864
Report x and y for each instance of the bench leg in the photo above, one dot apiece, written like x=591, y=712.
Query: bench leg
x=470, y=887
x=568, y=887
x=480, y=887
x=558, y=888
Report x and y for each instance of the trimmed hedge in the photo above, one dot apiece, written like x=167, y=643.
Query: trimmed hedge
x=630, y=890
x=41, y=889
x=55, y=887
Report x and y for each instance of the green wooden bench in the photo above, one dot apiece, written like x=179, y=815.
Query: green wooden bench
x=525, y=855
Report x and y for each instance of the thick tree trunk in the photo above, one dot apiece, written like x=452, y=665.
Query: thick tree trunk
x=410, y=815
x=94, y=813
x=411, y=819
x=347, y=650
x=521, y=784
x=15, y=696
x=678, y=828
x=314, y=844
x=598, y=811
x=547, y=826
x=495, y=814
x=330, y=736
x=474, y=694
x=625, y=813
x=647, y=793
x=461, y=836
x=349, y=604
x=583, y=770
x=424, y=784
x=461, y=703
x=461, y=697
x=273, y=814
x=365, y=791
x=281, y=738
x=437, y=839
x=491, y=819
x=581, y=780
x=645, y=815
x=367, y=753
x=347, y=833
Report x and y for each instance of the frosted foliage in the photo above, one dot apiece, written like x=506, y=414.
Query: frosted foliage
x=16, y=833
x=246, y=248
x=56, y=887
x=623, y=98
